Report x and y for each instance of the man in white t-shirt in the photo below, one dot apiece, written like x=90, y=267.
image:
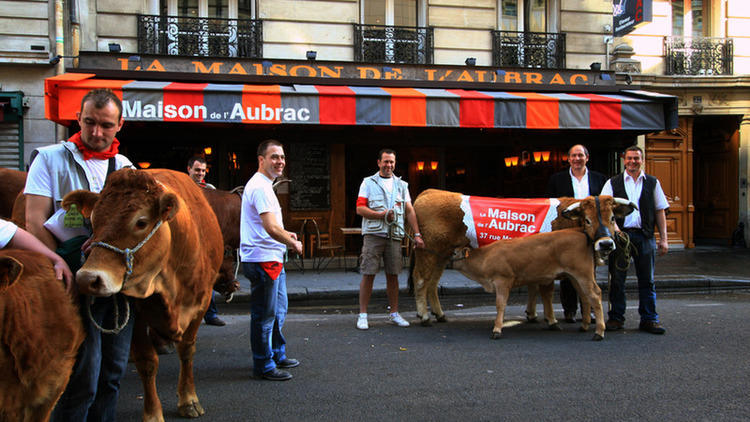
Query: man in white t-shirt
x=263, y=242
x=82, y=162
x=384, y=204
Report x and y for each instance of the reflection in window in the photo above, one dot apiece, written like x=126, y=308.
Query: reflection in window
x=404, y=12
x=697, y=10
x=218, y=9
x=678, y=17
x=510, y=15
x=244, y=9
x=537, y=16
x=375, y=12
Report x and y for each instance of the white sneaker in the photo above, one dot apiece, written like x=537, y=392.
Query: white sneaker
x=362, y=322
x=396, y=319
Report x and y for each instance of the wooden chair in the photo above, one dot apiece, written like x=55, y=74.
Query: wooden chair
x=325, y=250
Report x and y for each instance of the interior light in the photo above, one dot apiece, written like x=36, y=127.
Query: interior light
x=545, y=155
x=144, y=164
x=433, y=165
x=537, y=156
x=420, y=165
x=207, y=150
x=514, y=160
x=508, y=162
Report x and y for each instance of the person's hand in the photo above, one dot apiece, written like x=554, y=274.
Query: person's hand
x=663, y=246
x=418, y=242
x=297, y=246
x=389, y=216
x=293, y=235
x=63, y=273
x=86, y=247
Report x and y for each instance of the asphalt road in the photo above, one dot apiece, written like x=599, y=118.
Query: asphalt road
x=698, y=371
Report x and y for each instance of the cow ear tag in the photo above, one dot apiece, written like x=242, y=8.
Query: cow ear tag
x=73, y=219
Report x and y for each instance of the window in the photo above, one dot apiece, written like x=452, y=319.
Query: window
x=533, y=15
x=689, y=18
x=390, y=12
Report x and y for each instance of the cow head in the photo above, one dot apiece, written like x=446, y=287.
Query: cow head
x=596, y=214
x=10, y=271
x=129, y=245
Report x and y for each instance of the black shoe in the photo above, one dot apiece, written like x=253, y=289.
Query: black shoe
x=652, y=327
x=570, y=317
x=215, y=321
x=614, y=325
x=287, y=363
x=276, y=375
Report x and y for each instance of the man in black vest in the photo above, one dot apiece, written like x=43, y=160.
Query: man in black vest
x=646, y=191
x=577, y=182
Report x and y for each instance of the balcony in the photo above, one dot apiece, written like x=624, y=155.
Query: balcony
x=698, y=56
x=188, y=36
x=542, y=50
x=393, y=44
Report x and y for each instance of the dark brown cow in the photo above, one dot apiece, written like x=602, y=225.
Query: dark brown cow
x=40, y=335
x=13, y=182
x=441, y=224
x=173, y=271
x=227, y=206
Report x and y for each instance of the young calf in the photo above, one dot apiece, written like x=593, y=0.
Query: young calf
x=542, y=258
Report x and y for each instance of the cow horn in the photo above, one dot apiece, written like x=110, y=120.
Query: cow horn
x=572, y=207
x=622, y=201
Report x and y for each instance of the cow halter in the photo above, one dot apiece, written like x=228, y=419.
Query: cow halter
x=129, y=258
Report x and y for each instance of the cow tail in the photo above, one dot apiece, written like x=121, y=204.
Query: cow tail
x=410, y=281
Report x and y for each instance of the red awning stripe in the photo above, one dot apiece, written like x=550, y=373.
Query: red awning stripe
x=344, y=105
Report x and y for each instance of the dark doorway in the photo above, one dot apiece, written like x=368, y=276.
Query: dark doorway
x=715, y=165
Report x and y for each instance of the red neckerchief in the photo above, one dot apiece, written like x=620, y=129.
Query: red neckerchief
x=272, y=268
x=89, y=154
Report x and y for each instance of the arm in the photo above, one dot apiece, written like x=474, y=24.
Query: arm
x=272, y=227
x=411, y=217
x=38, y=210
x=24, y=240
x=661, y=223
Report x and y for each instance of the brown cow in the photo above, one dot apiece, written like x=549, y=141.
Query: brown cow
x=543, y=257
x=41, y=333
x=443, y=231
x=227, y=206
x=13, y=182
x=173, y=269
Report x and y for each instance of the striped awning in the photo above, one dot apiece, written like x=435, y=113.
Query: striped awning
x=355, y=105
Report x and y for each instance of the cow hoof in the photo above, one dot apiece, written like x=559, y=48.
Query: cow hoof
x=191, y=410
x=441, y=318
x=531, y=319
x=554, y=327
x=496, y=336
x=426, y=322
x=597, y=337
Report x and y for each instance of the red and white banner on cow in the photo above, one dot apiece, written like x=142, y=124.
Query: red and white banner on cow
x=491, y=219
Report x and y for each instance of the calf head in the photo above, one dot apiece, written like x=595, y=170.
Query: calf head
x=129, y=245
x=597, y=214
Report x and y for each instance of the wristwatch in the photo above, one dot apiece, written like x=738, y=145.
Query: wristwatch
x=417, y=234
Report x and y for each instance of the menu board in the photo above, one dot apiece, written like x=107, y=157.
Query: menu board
x=309, y=170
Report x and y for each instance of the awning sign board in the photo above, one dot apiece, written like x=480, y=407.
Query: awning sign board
x=159, y=101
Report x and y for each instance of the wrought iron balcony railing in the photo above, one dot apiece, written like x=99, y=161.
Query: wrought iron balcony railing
x=188, y=36
x=698, y=55
x=544, y=50
x=393, y=44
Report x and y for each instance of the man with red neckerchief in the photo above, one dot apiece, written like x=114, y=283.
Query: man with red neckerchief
x=82, y=162
x=263, y=242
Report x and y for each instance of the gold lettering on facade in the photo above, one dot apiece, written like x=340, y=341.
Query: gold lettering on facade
x=237, y=69
x=214, y=67
x=365, y=72
x=533, y=78
x=327, y=72
x=306, y=71
x=155, y=66
x=514, y=77
x=430, y=74
x=465, y=76
x=574, y=78
x=394, y=73
x=557, y=79
x=277, y=69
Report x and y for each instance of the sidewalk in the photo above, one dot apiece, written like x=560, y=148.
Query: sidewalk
x=700, y=269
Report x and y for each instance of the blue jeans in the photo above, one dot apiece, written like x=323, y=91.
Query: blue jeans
x=211, y=312
x=268, y=306
x=94, y=385
x=643, y=261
